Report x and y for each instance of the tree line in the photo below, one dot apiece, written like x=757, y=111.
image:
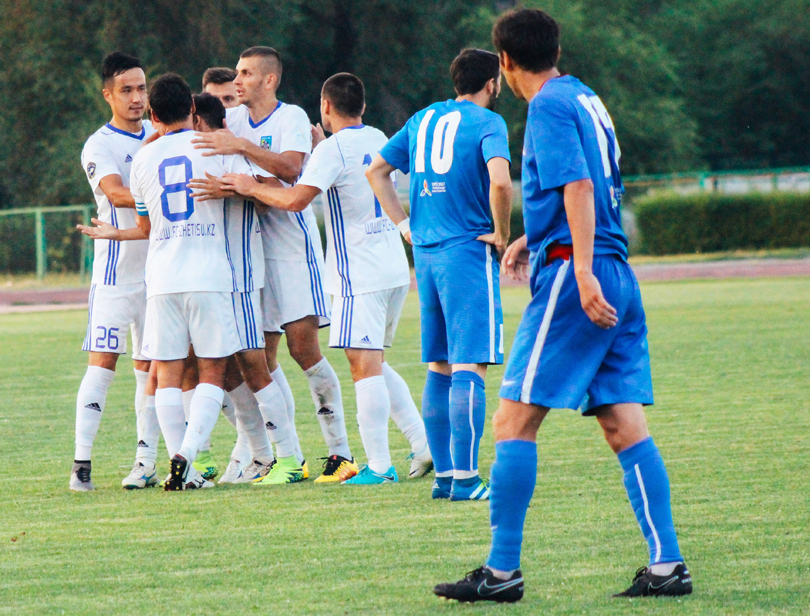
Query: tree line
x=691, y=84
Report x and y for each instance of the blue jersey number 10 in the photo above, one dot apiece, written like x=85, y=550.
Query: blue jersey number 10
x=444, y=134
x=176, y=187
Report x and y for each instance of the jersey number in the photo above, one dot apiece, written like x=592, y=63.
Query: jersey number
x=444, y=134
x=601, y=122
x=377, y=207
x=176, y=187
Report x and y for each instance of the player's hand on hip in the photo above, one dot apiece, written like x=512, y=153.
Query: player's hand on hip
x=498, y=241
x=594, y=303
x=102, y=230
x=317, y=134
x=209, y=188
x=515, y=261
x=239, y=183
x=221, y=141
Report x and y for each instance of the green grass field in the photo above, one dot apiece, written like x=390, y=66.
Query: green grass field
x=730, y=363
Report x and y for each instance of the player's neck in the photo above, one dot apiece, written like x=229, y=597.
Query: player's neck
x=129, y=126
x=530, y=84
x=260, y=109
x=481, y=98
x=339, y=123
x=188, y=123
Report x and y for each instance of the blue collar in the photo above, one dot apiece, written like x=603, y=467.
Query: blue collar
x=361, y=125
x=123, y=132
x=178, y=131
x=260, y=122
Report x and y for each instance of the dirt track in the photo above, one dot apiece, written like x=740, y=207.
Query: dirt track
x=42, y=300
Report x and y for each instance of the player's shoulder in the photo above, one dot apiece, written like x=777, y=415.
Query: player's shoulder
x=291, y=114
x=559, y=92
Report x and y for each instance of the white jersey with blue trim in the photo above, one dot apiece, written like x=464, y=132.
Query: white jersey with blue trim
x=287, y=236
x=365, y=253
x=109, y=151
x=244, y=237
x=188, y=251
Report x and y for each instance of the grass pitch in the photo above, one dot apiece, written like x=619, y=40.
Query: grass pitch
x=732, y=421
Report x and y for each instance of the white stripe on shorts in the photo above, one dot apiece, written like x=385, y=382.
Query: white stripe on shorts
x=491, y=297
x=534, y=360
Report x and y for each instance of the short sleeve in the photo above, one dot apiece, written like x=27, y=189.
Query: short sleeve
x=137, y=194
x=397, y=151
x=558, y=149
x=495, y=139
x=324, y=166
x=98, y=162
x=296, y=136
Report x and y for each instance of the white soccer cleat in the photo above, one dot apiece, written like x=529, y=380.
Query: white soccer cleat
x=141, y=476
x=255, y=470
x=195, y=480
x=80, y=478
x=233, y=471
x=421, y=463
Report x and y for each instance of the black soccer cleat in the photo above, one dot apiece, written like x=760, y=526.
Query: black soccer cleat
x=482, y=585
x=647, y=584
x=177, y=474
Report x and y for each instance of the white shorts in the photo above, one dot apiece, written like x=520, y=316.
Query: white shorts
x=176, y=320
x=367, y=321
x=293, y=290
x=112, y=309
x=248, y=310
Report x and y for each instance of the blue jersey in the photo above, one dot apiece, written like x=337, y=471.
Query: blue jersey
x=570, y=137
x=445, y=148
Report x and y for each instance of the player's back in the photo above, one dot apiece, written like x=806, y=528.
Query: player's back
x=187, y=250
x=448, y=147
x=110, y=151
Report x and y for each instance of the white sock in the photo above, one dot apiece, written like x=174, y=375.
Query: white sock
x=373, y=409
x=404, y=411
x=325, y=389
x=274, y=413
x=148, y=432
x=241, y=449
x=279, y=377
x=188, y=396
x=664, y=568
x=169, y=409
x=228, y=409
x=205, y=407
x=89, y=408
x=501, y=575
x=250, y=426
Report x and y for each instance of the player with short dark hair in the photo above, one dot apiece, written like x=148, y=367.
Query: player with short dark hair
x=346, y=93
x=210, y=110
x=218, y=81
x=582, y=342
x=457, y=154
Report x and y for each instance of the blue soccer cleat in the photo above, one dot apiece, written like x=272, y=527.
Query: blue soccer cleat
x=441, y=487
x=367, y=477
x=473, y=488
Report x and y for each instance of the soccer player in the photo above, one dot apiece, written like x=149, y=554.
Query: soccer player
x=276, y=137
x=117, y=299
x=218, y=81
x=584, y=330
x=366, y=273
x=457, y=154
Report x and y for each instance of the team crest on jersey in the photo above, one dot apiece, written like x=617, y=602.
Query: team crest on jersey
x=266, y=142
x=128, y=159
x=91, y=170
x=425, y=191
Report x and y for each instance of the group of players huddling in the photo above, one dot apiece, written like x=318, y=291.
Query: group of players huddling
x=207, y=249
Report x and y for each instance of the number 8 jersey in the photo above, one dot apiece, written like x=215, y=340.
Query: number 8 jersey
x=188, y=251
x=446, y=148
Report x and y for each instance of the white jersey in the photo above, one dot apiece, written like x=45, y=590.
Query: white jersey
x=287, y=236
x=244, y=243
x=365, y=253
x=109, y=151
x=188, y=251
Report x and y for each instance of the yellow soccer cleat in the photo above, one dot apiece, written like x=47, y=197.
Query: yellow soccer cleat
x=337, y=469
x=305, y=468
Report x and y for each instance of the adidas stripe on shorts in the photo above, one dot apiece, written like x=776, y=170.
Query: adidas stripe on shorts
x=368, y=320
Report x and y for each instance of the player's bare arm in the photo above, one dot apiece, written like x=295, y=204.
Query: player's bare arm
x=579, y=209
x=293, y=199
x=118, y=194
x=209, y=188
x=515, y=262
x=500, y=201
x=106, y=231
x=379, y=176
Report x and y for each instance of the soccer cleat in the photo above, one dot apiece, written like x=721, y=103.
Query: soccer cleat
x=254, y=471
x=473, y=488
x=367, y=477
x=177, y=475
x=232, y=472
x=140, y=477
x=482, y=585
x=205, y=465
x=647, y=584
x=441, y=487
x=285, y=470
x=421, y=464
x=197, y=481
x=80, y=478
x=337, y=468
x=305, y=469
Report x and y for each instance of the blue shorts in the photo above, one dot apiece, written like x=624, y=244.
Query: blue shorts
x=460, y=304
x=559, y=355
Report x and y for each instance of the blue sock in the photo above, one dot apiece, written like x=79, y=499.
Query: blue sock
x=512, y=480
x=647, y=485
x=468, y=403
x=436, y=415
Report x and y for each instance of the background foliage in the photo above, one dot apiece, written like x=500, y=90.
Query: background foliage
x=690, y=84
